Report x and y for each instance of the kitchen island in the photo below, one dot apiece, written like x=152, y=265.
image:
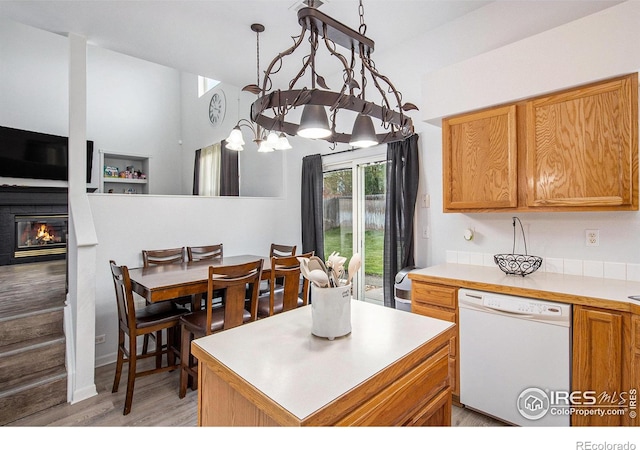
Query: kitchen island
x=392, y=369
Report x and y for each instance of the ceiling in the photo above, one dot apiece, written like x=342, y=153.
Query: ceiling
x=213, y=38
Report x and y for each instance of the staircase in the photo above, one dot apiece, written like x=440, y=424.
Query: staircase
x=33, y=375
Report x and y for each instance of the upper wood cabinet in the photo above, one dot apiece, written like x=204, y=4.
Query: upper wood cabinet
x=480, y=160
x=575, y=150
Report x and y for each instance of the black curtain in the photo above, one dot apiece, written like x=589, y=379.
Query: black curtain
x=196, y=174
x=311, y=198
x=402, y=190
x=229, y=177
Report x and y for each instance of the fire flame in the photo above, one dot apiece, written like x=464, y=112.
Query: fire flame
x=44, y=234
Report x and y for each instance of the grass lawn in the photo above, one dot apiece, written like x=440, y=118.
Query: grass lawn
x=343, y=244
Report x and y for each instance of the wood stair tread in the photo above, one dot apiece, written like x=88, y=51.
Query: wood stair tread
x=33, y=374
x=8, y=350
x=32, y=380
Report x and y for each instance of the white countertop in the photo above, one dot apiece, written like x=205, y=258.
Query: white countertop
x=572, y=285
x=301, y=372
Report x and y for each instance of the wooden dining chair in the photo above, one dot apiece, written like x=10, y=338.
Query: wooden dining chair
x=282, y=250
x=277, y=250
x=151, y=319
x=286, y=268
x=169, y=256
x=163, y=256
x=204, y=252
x=233, y=280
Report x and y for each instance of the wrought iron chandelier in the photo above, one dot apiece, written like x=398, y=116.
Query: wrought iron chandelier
x=266, y=140
x=271, y=111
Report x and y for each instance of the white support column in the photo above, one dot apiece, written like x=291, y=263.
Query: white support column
x=81, y=252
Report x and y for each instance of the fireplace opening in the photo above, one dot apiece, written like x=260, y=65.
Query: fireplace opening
x=40, y=235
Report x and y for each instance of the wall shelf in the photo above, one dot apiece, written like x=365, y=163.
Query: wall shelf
x=118, y=185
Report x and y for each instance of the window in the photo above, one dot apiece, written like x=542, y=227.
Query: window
x=354, y=210
x=205, y=85
x=210, y=170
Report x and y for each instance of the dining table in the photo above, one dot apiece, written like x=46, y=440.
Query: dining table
x=170, y=281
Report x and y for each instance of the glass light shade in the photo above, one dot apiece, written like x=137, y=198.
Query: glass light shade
x=314, y=123
x=363, y=134
x=235, y=138
x=235, y=147
x=272, y=139
x=263, y=146
x=283, y=143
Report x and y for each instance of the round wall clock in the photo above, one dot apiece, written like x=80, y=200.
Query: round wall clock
x=217, y=107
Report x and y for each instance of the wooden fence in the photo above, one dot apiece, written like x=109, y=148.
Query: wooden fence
x=338, y=212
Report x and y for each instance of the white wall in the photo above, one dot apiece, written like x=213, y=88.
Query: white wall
x=33, y=61
x=133, y=107
x=602, y=45
x=261, y=174
x=126, y=224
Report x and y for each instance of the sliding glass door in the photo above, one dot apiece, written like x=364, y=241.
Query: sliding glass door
x=354, y=209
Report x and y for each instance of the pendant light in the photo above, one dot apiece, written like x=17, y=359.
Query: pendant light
x=265, y=142
x=314, y=123
x=363, y=134
x=349, y=49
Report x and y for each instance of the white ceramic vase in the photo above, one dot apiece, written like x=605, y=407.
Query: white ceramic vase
x=331, y=311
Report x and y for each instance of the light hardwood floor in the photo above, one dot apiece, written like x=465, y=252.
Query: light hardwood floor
x=156, y=403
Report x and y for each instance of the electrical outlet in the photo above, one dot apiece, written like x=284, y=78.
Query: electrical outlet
x=592, y=238
x=100, y=339
x=426, y=232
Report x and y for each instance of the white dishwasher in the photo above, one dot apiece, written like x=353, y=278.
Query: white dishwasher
x=515, y=357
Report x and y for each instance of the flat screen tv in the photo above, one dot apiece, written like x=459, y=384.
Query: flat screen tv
x=27, y=154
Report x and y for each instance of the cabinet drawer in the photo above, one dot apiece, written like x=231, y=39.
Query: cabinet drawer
x=437, y=313
x=398, y=402
x=434, y=294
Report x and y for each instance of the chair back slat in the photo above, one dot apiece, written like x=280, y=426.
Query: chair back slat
x=163, y=256
x=282, y=250
x=204, y=252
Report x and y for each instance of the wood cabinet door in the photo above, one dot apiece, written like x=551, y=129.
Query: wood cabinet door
x=582, y=146
x=597, y=359
x=480, y=164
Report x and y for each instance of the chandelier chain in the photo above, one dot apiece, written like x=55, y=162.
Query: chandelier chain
x=363, y=26
x=257, y=58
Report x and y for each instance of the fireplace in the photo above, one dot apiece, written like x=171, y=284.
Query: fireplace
x=40, y=235
x=33, y=224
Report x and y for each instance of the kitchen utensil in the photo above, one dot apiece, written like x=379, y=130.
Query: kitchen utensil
x=319, y=278
x=316, y=263
x=354, y=266
x=304, y=267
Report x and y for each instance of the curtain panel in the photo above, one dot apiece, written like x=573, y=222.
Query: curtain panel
x=210, y=171
x=311, y=202
x=215, y=171
x=402, y=190
x=229, y=176
x=196, y=173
